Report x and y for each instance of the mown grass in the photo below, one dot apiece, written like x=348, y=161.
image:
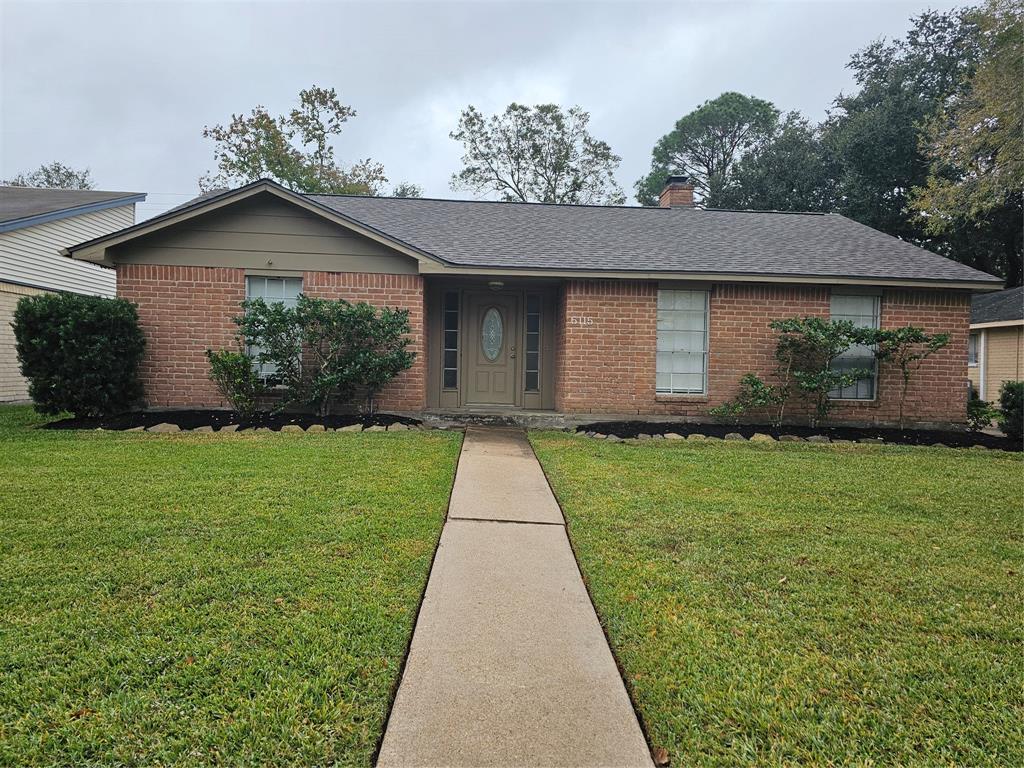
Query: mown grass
x=778, y=605
x=208, y=599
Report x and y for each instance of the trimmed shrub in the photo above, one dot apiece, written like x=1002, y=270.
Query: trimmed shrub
x=237, y=380
x=79, y=353
x=1011, y=403
x=979, y=413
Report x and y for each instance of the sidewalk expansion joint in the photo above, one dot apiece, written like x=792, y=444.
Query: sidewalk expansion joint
x=512, y=522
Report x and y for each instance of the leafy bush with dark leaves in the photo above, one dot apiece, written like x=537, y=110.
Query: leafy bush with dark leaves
x=1011, y=403
x=237, y=380
x=980, y=414
x=79, y=353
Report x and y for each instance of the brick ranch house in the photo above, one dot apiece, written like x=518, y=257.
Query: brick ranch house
x=535, y=307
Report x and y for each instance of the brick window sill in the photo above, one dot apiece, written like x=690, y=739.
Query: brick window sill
x=681, y=398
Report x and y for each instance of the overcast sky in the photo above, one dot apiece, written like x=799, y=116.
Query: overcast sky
x=125, y=89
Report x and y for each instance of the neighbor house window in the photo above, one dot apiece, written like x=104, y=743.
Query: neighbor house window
x=863, y=312
x=972, y=349
x=682, y=347
x=273, y=290
x=450, y=369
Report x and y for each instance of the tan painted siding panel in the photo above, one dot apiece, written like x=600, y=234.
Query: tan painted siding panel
x=264, y=234
x=1004, y=358
x=13, y=386
x=31, y=256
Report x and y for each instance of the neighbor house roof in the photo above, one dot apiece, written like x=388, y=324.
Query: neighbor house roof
x=999, y=307
x=464, y=236
x=29, y=206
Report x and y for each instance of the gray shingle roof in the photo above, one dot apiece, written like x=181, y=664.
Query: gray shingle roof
x=998, y=307
x=18, y=203
x=564, y=237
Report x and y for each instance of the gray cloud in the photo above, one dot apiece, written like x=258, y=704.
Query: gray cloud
x=126, y=88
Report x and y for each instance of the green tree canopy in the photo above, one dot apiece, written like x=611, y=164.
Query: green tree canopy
x=295, y=149
x=55, y=175
x=975, y=145
x=539, y=154
x=707, y=143
x=875, y=132
x=793, y=171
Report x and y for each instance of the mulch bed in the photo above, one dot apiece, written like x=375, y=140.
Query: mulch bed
x=191, y=419
x=892, y=435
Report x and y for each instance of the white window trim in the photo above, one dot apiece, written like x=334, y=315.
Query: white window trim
x=977, y=349
x=662, y=393
x=261, y=369
x=875, y=376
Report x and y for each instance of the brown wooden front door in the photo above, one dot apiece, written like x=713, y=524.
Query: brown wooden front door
x=491, y=372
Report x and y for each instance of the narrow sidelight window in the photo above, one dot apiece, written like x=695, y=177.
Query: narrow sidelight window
x=863, y=312
x=450, y=367
x=273, y=290
x=682, y=348
x=533, y=343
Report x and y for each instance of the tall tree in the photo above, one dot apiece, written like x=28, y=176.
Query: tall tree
x=875, y=132
x=707, y=143
x=792, y=171
x=536, y=154
x=295, y=149
x=55, y=175
x=407, y=189
x=976, y=147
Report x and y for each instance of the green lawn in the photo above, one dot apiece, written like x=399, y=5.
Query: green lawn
x=783, y=604
x=208, y=600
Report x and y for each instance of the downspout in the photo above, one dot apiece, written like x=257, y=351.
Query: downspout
x=981, y=363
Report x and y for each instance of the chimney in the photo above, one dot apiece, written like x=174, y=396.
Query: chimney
x=678, y=193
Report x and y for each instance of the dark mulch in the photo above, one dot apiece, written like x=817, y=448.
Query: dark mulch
x=953, y=439
x=190, y=419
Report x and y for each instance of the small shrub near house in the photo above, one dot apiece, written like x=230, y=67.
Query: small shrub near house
x=320, y=351
x=79, y=353
x=237, y=380
x=980, y=413
x=1011, y=405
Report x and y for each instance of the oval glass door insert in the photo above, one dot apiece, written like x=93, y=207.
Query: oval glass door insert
x=491, y=333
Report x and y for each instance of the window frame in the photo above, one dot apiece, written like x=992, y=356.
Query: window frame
x=267, y=371
x=974, y=336
x=876, y=315
x=661, y=311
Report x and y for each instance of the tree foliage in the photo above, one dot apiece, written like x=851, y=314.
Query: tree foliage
x=55, y=175
x=407, y=189
x=975, y=145
x=792, y=171
x=79, y=353
x=707, y=143
x=325, y=351
x=906, y=348
x=542, y=154
x=295, y=149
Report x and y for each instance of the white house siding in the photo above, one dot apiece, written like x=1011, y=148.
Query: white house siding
x=30, y=263
x=31, y=256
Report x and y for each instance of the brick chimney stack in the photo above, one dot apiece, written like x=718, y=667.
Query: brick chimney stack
x=678, y=193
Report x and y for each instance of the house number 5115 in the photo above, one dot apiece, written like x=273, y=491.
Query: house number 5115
x=578, y=320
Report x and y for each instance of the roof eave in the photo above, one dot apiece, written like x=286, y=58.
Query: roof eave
x=96, y=250
x=65, y=213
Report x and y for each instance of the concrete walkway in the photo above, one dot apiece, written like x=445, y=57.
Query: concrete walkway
x=508, y=665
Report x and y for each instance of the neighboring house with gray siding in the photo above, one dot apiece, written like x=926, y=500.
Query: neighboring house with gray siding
x=35, y=226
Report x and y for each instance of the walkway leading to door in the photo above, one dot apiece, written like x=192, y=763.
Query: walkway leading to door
x=508, y=665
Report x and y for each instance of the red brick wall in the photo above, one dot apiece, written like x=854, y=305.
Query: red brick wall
x=608, y=366
x=408, y=390
x=183, y=312
x=186, y=310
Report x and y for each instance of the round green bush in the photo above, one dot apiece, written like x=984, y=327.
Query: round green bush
x=79, y=353
x=1011, y=403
